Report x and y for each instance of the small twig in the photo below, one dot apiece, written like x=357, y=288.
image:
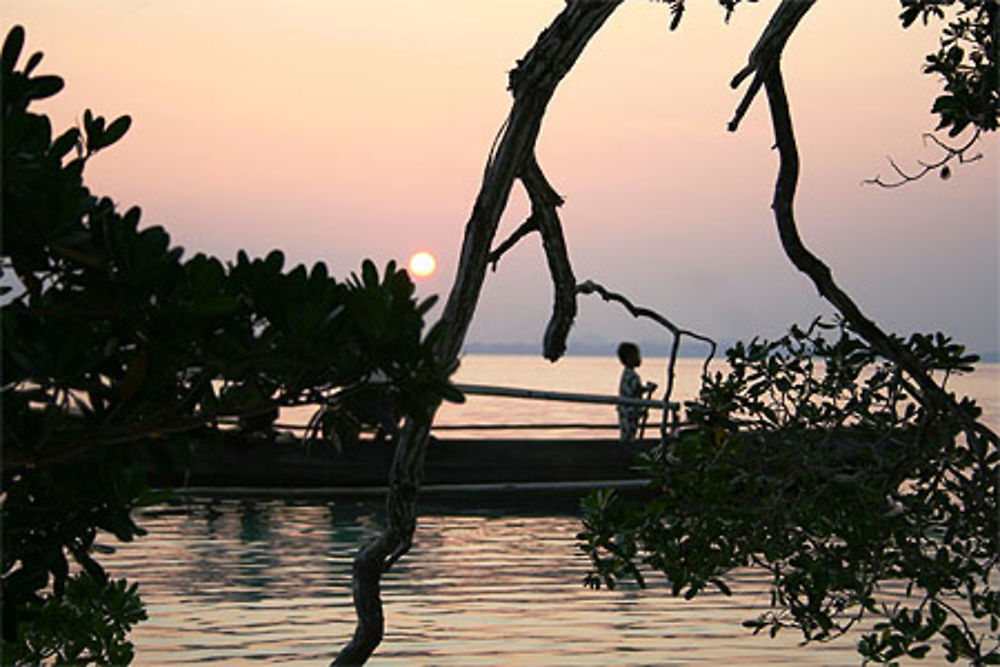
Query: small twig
x=528, y=226
x=950, y=153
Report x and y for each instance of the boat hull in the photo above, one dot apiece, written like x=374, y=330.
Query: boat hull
x=451, y=463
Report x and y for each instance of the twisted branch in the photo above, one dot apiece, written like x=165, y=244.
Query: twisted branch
x=765, y=63
x=544, y=219
x=931, y=395
x=532, y=84
x=927, y=392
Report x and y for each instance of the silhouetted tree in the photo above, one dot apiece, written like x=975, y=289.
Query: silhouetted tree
x=966, y=62
x=117, y=352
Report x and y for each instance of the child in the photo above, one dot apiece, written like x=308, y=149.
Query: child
x=631, y=386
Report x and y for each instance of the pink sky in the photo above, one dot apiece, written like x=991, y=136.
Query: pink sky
x=343, y=129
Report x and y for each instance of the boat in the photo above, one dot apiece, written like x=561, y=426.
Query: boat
x=290, y=466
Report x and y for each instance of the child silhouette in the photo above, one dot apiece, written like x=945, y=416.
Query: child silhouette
x=630, y=386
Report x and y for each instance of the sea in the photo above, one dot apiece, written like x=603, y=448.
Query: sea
x=268, y=580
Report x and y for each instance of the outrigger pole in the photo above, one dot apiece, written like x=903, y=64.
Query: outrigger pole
x=670, y=408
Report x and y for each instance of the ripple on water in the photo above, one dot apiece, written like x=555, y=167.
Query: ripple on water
x=269, y=582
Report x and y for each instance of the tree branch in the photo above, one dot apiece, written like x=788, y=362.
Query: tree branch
x=381, y=553
x=765, y=61
x=930, y=395
x=532, y=84
x=591, y=287
x=950, y=153
x=528, y=226
x=981, y=440
x=766, y=54
x=544, y=201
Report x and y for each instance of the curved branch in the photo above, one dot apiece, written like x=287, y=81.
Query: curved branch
x=381, y=553
x=765, y=61
x=544, y=201
x=544, y=219
x=804, y=260
x=591, y=287
x=981, y=439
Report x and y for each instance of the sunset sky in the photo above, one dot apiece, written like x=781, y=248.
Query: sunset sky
x=343, y=129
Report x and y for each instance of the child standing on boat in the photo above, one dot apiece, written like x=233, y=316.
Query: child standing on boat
x=630, y=386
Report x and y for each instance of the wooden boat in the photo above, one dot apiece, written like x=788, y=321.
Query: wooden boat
x=289, y=467
x=242, y=466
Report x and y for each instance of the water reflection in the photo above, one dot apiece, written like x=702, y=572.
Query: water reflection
x=269, y=581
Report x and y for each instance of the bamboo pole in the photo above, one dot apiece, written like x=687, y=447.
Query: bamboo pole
x=541, y=394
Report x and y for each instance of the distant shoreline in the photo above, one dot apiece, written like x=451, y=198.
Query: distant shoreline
x=587, y=349
x=649, y=349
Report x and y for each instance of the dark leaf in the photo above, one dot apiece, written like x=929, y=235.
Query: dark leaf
x=45, y=86
x=116, y=130
x=12, y=46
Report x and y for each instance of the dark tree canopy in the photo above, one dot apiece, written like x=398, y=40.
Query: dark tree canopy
x=835, y=477
x=118, y=351
x=808, y=459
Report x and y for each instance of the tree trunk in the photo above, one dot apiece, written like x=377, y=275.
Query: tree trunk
x=532, y=84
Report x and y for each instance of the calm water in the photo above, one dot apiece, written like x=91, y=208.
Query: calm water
x=599, y=375
x=268, y=581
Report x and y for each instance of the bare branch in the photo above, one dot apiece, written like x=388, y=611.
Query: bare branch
x=766, y=54
x=591, y=287
x=950, y=153
x=528, y=226
x=765, y=61
x=545, y=219
x=544, y=201
x=930, y=394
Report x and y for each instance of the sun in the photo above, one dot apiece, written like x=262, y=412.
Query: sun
x=423, y=264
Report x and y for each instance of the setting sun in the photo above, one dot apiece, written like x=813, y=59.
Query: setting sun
x=422, y=264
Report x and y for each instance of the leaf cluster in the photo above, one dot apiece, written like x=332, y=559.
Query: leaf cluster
x=119, y=351
x=810, y=461
x=89, y=623
x=677, y=8
x=966, y=60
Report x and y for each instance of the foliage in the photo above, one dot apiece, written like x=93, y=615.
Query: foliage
x=88, y=623
x=808, y=461
x=118, y=351
x=966, y=61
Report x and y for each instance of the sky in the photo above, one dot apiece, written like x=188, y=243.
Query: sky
x=342, y=129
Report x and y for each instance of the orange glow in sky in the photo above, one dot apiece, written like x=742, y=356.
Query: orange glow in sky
x=344, y=129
